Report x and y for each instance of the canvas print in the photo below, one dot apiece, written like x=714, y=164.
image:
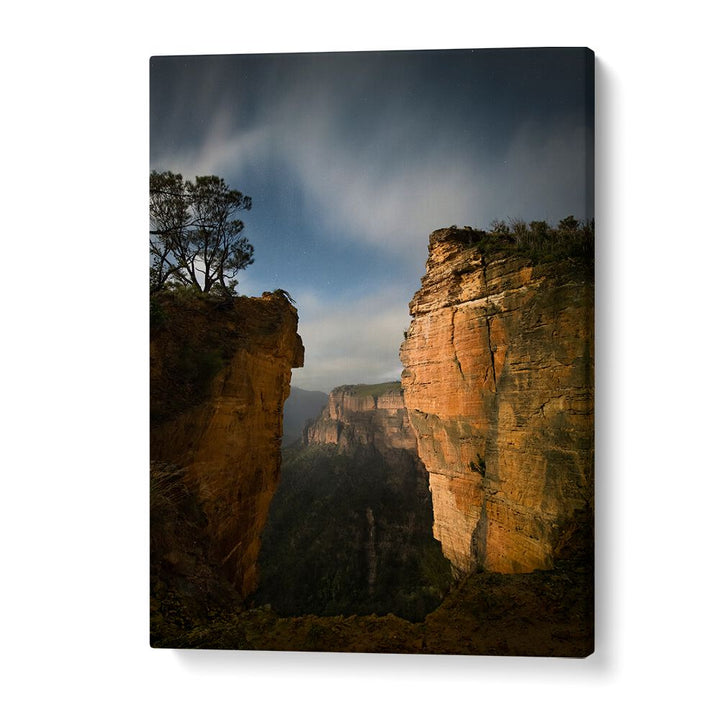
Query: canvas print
x=372, y=353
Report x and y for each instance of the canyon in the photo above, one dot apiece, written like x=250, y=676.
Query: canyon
x=353, y=512
x=498, y=384
x=451, y=511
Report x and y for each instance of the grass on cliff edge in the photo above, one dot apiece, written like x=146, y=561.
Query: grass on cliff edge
x=371, y=390
x=539, y=241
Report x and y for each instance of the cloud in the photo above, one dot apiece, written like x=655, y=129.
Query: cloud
x=381, y=166
x=353, y=341
x=376, y=189
x=357, y=159
x=390, y=195
x=223, y=151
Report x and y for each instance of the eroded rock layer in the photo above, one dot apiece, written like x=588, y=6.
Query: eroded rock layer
x=220, y=373
x=498, y=383
x=364, y=415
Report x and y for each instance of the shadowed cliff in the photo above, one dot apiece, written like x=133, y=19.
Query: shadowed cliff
x=220, y=373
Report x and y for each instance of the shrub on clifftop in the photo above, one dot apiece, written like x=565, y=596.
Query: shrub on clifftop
x=538, y=240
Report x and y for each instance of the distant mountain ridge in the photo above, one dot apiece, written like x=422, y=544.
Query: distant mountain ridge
x=300, y=407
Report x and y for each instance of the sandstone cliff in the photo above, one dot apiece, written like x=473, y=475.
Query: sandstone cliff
x=364, y=415
x=498, y=383
x=220, y=373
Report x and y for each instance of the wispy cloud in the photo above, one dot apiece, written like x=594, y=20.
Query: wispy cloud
x=543, y=174
x=375, y=161
x=377, y=189
x=224, y=150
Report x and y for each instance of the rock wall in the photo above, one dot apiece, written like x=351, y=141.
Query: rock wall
x=498, y=383
x=364, y=415
x=220, y=373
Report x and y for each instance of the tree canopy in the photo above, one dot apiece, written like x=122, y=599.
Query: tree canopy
x=196, y=237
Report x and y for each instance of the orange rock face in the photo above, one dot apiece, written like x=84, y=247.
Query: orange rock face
x=220, y=374
x=364, y=415
x=498, y=383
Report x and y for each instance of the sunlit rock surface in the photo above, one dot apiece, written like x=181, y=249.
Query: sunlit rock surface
x=498, y=384
x=364, y=415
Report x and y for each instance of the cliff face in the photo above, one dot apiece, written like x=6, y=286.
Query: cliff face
x=364, y=415
x=220, y=373
x=498, y=383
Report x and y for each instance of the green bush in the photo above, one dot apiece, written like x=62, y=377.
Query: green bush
x=539, y=241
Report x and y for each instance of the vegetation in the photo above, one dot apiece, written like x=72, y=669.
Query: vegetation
x=351, y=533
x=539, y=241
x=279, y=292
x=186, y=588
x=196, y=235
x=371, y=390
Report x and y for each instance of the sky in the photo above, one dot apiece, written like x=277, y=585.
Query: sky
x=353, y=159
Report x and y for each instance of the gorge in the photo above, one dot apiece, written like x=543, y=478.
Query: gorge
x=449, y=512
x=350, y=527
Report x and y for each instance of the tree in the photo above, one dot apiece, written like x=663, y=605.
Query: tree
x=196, y=237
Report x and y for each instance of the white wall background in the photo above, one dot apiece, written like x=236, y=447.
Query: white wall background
x=74, y=434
